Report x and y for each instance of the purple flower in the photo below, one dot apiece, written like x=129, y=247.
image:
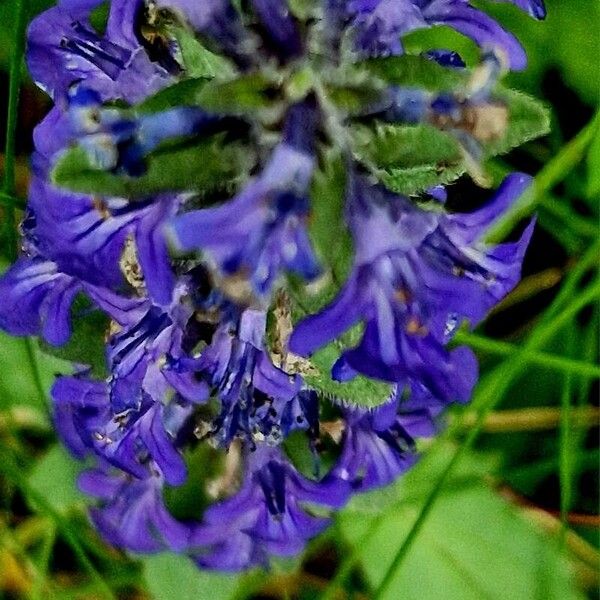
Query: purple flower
x=380, y=24
x=376, y=448
x=417, y=274
x=193, y=369
x=280, y=25
x=36, y=299
x=64, y=48
x=139, y=353
x=127, y=440
x=262, y=231
x=87, y=236
x=118, y=139
x=268, y=515
x=132, y=514
x=258, y=401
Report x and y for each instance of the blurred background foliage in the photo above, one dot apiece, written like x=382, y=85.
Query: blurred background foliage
x=504, y=505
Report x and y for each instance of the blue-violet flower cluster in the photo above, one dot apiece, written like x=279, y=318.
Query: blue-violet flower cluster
x=211, y=368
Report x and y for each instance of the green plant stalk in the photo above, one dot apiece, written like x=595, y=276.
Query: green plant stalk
x=37, y=591
x=542, y=359
x=552, y=173
x=14, y=86
x=565, y=448
x=12, y=472
x=576, y=223
x=35, y=373
x=589, y=260
x=9, y=201
x=556, y=207
x=488, y=397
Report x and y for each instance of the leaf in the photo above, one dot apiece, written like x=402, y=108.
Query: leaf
x=198, y=61
x=454, y=553
x=355, y=99
x=412, y=70
x=441, y=36
x=99, y=17
x=173, y=577
x=327, y=226
x=409, y=159
x=528, y=118
x=304, y=9
x=182, y=93
x=593, y=167
x=86, y=345
x=360, y=391
x=54, y=477
x=246, y=94
x=203, y=167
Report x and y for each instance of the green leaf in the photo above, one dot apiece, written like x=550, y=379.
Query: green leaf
x=409, y=159
x=182, y=93
x=354, y=100
x=454, y=553
x=86, y=345
x=99, y=17
x=412, y=70
x=54, y=477
x=528, y=118
x=198, y=61
x=441, y=36
x=360, y=391
x=174, y=577
x=304, y=9
x=246, y=94
x=354, y=91
x=327, y=225
x=593, y=167
x=204, y=167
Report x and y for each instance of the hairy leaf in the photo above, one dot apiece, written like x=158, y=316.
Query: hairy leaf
x=528, y=119
x=360, y=391
x=203, y=167
x=409, y=159
x=412, y=70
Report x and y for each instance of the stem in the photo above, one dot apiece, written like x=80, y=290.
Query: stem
x=35, y=372
x=542, y=359
x=12, y=201
x=529, y=287
x=9, y=186
x=530, y=419
x=552, y=173
x=575, y=222
x=565, y=461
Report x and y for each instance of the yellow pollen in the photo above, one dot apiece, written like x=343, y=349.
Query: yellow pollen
x=402, y=296
x=413, y=327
